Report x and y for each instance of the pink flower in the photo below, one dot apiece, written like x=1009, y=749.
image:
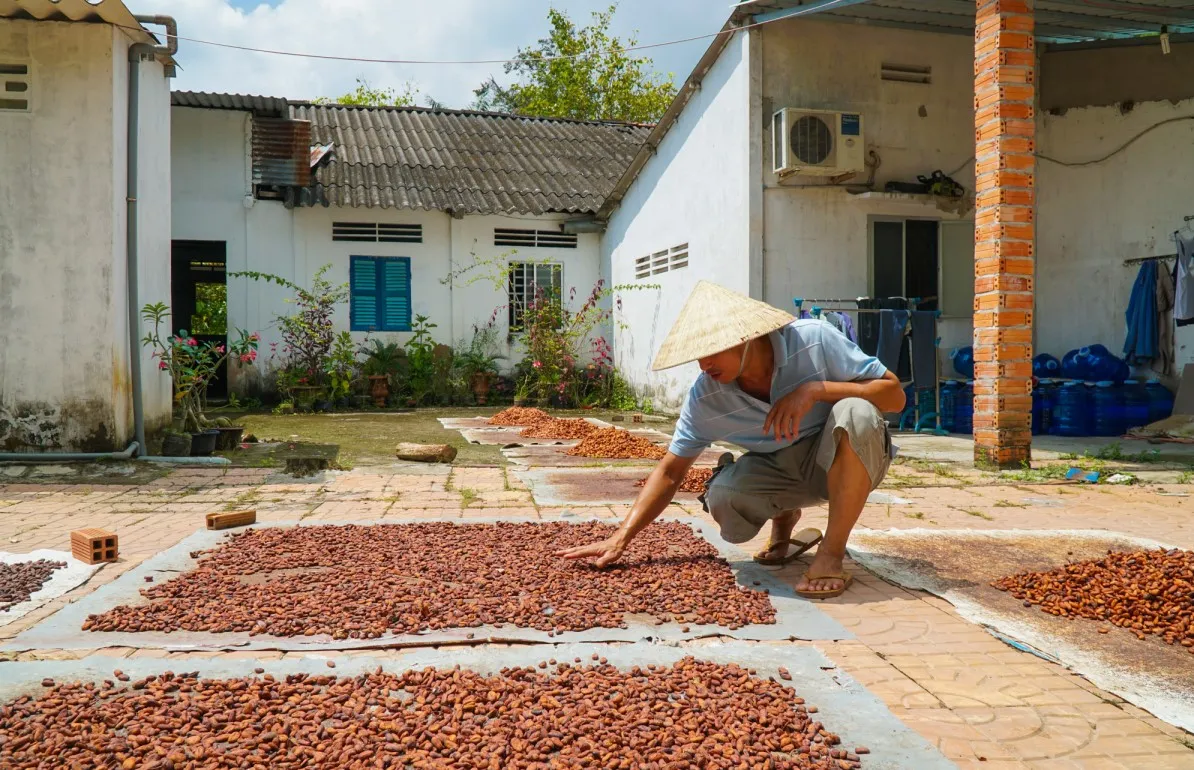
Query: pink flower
x=219, y=348
x=244, y=358
x=191, y=342
x=254, y=336
x=162, y=365
x=537, y=365
x=252, y=355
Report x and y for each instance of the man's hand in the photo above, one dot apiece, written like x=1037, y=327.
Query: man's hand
x=786, y=413
x=606, y=552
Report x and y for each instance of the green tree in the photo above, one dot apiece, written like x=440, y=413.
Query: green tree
x=365, y=95
x=597, y=79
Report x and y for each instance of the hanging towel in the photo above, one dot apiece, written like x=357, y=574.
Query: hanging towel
x=1140, y=345
x=924, y=349
x=1183, y=279
x=847, y=326
x=892, y=324
x=1164, y=363
x=868, y=327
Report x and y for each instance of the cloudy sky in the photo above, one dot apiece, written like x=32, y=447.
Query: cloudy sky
x=399, y=29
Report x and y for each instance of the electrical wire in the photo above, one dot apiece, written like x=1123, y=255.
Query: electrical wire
x=443, y=62
x=1119, y=149
x=1095, y=161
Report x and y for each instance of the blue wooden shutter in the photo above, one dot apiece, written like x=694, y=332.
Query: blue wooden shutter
x=394, y=276
x=364, y=295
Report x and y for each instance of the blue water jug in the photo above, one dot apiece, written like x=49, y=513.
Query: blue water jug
x=1072, y=412
x=949, y=405
x=963, y=359
x=1107, y=402
x=964, y=409
x=1043, y=399
x=1135, y=409
x=1160, y=401
x=1045, y=365
x=1071, y=366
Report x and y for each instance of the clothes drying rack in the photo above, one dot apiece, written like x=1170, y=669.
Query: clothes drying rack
x=929, y=422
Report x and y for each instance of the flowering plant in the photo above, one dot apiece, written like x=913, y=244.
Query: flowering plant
x=192, y=365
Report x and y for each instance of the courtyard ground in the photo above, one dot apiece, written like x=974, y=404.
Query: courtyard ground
x=981, y=702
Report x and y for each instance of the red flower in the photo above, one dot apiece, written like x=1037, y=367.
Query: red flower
x=162, y=365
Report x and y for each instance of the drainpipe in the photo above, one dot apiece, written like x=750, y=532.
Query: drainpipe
x=131, y=229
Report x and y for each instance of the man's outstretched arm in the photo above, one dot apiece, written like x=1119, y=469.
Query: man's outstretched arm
x=661, y=487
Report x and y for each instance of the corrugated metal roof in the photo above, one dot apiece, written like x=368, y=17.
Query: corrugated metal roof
x=94, y=11
x=264, y=105
x=468, y=162
x=1057, y=21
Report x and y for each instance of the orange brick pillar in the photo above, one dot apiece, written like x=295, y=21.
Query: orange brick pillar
x=1004, y=98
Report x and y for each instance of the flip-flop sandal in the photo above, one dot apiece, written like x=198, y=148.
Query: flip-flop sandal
x=846, y=578
x=802, y=540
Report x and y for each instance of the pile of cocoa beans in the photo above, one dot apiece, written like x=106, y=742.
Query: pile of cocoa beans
x=690, y=715
x=363, y=581
x=1145, y=592
x=519, y=415
x=694, y=481
x=616, y=443
x=559, y=429
x=21, y=580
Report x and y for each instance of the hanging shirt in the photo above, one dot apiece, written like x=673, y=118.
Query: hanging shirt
x=805, y=351
x=1183, y=279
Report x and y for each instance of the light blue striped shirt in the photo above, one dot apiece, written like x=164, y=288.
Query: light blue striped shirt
x=805, y=351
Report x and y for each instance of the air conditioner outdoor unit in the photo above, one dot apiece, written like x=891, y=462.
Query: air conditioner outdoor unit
x=817, y=142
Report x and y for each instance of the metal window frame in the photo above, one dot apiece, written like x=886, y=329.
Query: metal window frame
x=517, y=305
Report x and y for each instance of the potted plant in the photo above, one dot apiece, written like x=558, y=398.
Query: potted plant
x=192, y=366
x=478, y=361
x=382, y=360
x=522, y=391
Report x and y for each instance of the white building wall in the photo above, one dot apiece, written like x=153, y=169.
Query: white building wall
x=694, y=190
x=64, y=377
x=816, y=241
x=1091, y=218
x=453, y=270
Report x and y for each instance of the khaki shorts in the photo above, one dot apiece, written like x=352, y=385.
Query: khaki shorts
x=744, y=495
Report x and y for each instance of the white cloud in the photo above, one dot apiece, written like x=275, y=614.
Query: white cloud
x=398, y=29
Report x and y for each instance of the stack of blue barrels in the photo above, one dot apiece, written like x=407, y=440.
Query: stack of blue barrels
x=1160, y=401
x=964, y=409
x=1072, y=411
x=949, y=405
x=1097, y=400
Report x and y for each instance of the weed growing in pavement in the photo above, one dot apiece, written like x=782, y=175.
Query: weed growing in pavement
x=1009, y=504
x=915, y=515
x=978, y=514
x=1185, y=477
x=468, y=496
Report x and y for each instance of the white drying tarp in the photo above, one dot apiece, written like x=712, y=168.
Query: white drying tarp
x=61, y=580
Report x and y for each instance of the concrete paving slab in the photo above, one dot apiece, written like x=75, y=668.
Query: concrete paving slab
x=843, y=705
x=561, y=487
x=959, y=566
x=796, y=618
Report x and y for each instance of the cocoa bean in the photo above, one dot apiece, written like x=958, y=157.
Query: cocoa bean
x=1145, y=592
x=355, y=582
x=523, y=717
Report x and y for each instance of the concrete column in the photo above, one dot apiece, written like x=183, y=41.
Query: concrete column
x=1004, y=99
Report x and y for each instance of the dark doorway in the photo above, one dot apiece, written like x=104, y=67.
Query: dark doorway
x=199, y=298
x=904, y=265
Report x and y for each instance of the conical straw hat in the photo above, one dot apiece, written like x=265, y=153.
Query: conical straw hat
x=716, y=319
